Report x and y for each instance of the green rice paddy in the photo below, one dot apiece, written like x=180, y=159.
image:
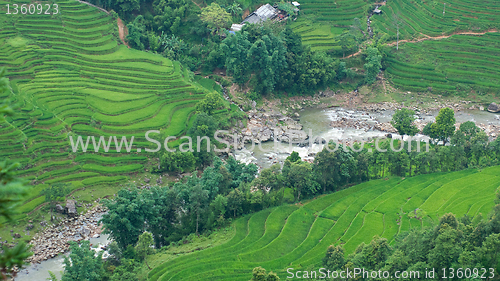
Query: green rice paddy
x=298, y=235
x=459, y=64
x=427, y=17
x=71, y=75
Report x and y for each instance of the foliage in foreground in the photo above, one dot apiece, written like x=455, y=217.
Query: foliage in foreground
x=12, y=192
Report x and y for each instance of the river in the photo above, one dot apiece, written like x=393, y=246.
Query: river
x=39, y=272
x=319, y=122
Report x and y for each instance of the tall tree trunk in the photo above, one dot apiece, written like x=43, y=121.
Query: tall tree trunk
x=197, y=220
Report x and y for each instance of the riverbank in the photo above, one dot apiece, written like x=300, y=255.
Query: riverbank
x=345, y=117
x=54, y=239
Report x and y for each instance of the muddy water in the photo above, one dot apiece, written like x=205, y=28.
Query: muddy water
x=318, y=121
x=39, y=272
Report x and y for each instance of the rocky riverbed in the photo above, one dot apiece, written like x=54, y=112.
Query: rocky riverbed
x=55, y=239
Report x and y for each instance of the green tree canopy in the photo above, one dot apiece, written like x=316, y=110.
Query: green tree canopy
x=82, y=264
x=215, y=16
x=444, y=127
x=403, y=120
x=211, y=102
x=294, y=157
x=373, y=65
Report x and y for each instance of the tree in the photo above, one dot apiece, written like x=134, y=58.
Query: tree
x=144, y=247
x=211, y=102
x=342, y=71
x=444, y=127
x=270, y=179
x=215, y=17
x=260, y=274
x=347, y=42
x=234, y=9
x=429, y=132
x=301, y=179
x=137, y=33
x=334, y=258
x=129, y=5
x=126, y=217
x=177, y=161
x=82, y=264
x=403, y=120
x=198, y=198
x=235, y=199
x=294, y=157
x=11, y=258
x=53, y=193
x=287, y=7
x=373, y=65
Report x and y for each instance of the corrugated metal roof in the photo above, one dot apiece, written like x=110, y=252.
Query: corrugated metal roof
x=236, y=27
x=263, y=13
x=266, y=11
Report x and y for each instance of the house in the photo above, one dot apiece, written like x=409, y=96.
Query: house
x=377, y=11
x=296, y=4
x=265, y=12
x=236, y=27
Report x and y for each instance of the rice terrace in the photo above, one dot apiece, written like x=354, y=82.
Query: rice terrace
x=179, y=106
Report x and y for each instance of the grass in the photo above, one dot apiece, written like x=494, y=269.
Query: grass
x=298, y=235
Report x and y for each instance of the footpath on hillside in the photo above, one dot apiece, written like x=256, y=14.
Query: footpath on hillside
x=427, y=37
x=122, y=31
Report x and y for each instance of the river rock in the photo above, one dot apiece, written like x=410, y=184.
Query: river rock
x=494, y=108
x=71, y=208
x=59, y=209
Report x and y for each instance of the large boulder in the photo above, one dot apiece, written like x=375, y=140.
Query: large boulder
x=495, y=108
x=59, y=209
x=71, y=208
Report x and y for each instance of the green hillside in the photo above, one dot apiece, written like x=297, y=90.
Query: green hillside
x=71, y=75
x=460, y=63
x=426, y=17
x=298, y=235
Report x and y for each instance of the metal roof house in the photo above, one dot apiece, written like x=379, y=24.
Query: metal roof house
x=236, y=27
x=265, y=12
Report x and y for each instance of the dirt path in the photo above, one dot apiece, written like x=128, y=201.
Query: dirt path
x=122, y=30
x=427, y=37
x=355, y=54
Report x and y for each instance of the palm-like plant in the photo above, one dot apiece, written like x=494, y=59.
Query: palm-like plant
x=234, y=9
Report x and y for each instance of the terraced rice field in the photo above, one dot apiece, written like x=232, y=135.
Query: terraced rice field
x=318, y=36
x=337, y=13
x=298, y=235
x=321, y=20
x=427, y=17
x=70, y=76
x=461, y=63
